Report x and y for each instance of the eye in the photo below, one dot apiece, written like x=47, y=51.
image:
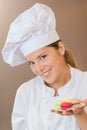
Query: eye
x=30, y=63
x=42, y=57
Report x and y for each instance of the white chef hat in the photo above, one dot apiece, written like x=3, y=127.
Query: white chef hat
x=32, y=30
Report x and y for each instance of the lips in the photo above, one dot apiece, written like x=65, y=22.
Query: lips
x=46, y=73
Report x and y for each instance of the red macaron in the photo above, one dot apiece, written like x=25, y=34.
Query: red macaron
x=66, y=105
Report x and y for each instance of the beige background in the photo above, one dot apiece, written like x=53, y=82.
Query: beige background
x=72, y=27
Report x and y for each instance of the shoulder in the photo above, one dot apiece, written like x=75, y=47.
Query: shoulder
x=29, y=86
x=80, y=80
x=79, y=74
x=80, y=77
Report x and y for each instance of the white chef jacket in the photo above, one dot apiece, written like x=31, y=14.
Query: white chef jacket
x=34, y=100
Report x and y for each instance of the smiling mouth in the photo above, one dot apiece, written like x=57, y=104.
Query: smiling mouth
x=46, y=73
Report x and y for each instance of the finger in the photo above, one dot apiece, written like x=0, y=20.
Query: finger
x=56, y=111
x=70, y=112
x=77, y=111
x=85, y=101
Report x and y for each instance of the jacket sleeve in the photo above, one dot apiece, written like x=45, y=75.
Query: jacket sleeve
x=19, y=121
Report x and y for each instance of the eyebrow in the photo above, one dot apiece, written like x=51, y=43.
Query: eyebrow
x=40, y=55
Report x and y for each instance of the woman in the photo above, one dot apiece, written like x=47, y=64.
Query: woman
x=33, y=38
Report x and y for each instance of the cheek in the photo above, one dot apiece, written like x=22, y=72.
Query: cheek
x=53, y=60
x=49, y=62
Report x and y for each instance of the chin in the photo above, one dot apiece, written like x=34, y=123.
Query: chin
x=48, y=82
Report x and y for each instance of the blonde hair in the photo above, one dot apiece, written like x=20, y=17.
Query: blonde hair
x=68, y=56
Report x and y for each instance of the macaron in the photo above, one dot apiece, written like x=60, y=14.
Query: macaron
x=57, y=105
x=63, y=104
x=66, y=105
x=75, y=101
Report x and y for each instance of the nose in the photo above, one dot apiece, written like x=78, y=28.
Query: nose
x=39, y=68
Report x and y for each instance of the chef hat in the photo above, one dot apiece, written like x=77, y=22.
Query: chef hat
x=32, y=30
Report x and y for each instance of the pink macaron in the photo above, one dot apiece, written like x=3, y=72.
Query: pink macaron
x=66, y=105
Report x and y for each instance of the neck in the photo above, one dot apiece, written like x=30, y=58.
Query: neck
x=64, y=78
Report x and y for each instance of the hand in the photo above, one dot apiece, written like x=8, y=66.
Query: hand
x=75, y=110
x=72, y=111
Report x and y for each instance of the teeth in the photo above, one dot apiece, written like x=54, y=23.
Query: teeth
x=46, y=73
